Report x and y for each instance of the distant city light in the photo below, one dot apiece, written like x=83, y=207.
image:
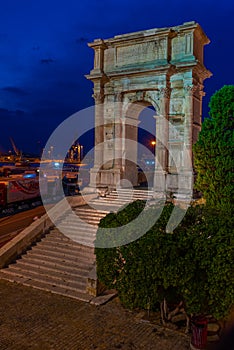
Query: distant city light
x=29, y=176
x=149, y=162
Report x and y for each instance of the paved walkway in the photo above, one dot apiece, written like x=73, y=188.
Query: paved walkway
x=34, y=319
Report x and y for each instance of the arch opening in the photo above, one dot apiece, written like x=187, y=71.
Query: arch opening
x=147, y=137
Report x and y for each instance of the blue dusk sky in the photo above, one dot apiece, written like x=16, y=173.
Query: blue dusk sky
x=44, y=55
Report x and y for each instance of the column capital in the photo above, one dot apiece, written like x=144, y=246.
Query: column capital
x=190, y=89
x=99, y=97
x=201, y=92
x=119, y=97
x=164, y=92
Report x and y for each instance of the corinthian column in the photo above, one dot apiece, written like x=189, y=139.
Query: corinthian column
x=161, y=151
x=118, y=130
x=99, y=138
x=188, y=126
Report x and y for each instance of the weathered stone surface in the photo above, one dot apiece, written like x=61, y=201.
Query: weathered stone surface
x=102, y=299
x=140, y=315
x=178, y=318
x=161, y=67
x=213, y=327
x=213, y=338
x=171, y=326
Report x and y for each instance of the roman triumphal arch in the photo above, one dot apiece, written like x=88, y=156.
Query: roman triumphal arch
x=162, y=68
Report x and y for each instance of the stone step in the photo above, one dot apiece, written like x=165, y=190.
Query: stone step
x=84, y=256
x=19, y=268
x=118, y=199
x=47, y=287
x=126, y=198
x=62, y=269
x=74, y=285
x=85, y=217
x=90, y=214
x=78, y=228
x=61, y=256
x=54, y=262
x=59, y=238
x=112, y=207
x=81, y=220
x=135, y=191
x=83, y=241
x=69, y=248
x=79, y=237
x=72, y=249
x=90, y=211
x=106, y=203
x=83, y=230
x=111, y=199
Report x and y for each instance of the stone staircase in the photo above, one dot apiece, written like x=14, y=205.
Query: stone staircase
x=62, y=263
x=121, y=197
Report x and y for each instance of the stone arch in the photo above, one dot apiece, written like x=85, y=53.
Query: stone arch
x=144, y=98
x=162, y=67
x=130, y=116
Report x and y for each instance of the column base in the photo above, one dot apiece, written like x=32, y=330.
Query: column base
x=160, y=182
x=180, y=186
x=104, y=178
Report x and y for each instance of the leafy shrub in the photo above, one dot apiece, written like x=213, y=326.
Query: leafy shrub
x=213, y=152
x=194, y=264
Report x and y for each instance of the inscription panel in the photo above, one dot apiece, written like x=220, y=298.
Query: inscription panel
x=144, y=52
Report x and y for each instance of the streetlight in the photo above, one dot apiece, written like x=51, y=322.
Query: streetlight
x=153, y=144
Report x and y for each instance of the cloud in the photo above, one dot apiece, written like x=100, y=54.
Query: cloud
x=3, y=110
x=47, y=60
x=6, y=113
x=15, y=90
x=82, y=40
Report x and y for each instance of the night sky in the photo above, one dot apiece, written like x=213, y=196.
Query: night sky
x=44, y=55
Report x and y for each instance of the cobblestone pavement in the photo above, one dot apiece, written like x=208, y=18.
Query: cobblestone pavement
x=34, y=319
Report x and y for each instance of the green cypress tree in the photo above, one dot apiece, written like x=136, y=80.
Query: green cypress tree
x=213, y=152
